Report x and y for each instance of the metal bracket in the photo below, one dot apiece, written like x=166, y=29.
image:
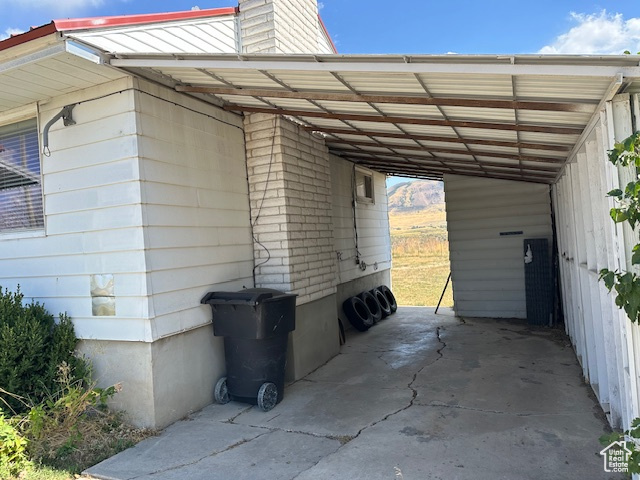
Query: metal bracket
x=67, y=117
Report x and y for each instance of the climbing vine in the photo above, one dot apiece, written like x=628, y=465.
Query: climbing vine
x=627, y=209
x=626, y=284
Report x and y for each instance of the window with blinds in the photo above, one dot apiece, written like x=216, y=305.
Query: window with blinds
x=21, y=205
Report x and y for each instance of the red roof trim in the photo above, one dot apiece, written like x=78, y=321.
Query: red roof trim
x=324, y=27
x=128, y=20
x=36, y=32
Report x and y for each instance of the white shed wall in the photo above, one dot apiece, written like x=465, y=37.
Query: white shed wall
x=93, y=217
x=374, y=243
x=606, y=343
x=487, y=269
x=195, y=205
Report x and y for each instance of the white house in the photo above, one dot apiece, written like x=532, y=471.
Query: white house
x=188, y=154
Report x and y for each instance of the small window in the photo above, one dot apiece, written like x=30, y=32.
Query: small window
x=21, y=206
x=364, y=186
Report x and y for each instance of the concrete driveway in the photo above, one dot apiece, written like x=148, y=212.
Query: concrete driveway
x=418, y=396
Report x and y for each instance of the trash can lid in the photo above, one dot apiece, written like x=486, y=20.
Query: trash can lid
x=248, y=296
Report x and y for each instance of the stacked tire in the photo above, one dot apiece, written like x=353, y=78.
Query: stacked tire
x=369, y=307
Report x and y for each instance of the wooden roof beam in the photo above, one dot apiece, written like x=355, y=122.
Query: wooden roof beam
x=407, y=120
x=432, y=138
x=400, y=171
x=445, y=161
x=580, y=107
x=525, y=158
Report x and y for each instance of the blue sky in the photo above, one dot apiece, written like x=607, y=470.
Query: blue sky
x=407, y=26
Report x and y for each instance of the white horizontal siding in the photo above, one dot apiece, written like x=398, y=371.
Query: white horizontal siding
x=374, y=243
x=93, y=216
x=195, y=204
x=324, y=42
x=204, y=35
x=487, y=269
x=607, y=344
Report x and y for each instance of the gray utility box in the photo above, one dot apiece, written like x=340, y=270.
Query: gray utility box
x=538, y=281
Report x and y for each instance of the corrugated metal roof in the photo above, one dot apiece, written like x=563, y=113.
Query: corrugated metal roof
x=505, y=117
x=515, y=117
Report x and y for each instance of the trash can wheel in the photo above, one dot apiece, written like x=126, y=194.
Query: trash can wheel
x=267, y=396
x=221, y=392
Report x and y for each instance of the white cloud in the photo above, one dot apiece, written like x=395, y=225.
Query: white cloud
x=320, y=5
x=57, y=7
x=10, y=31
x=66, y=4
x=598, y=33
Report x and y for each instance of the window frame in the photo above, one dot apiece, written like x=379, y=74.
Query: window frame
x=13, y=117
x=366, y=174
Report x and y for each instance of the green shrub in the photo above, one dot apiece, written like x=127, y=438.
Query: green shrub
x=32, y=347
x=13, y=449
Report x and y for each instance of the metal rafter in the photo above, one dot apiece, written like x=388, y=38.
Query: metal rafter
x=313, y=102
x=526, y=158
x=431, y=138
x=226, y=82
x=442, y=112
x=408, y=120
x=402, y=170
x=578, y=106
x=371, y=104
x=448, y=161
x=515, y=112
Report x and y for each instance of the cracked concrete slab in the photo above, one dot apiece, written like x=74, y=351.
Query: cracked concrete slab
x=417, y=396
x=441, y=443
x=273, y=455
x=330, y=409
x=182, y=444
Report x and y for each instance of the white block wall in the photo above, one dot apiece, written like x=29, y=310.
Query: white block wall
x=290, y=193
x=281, y=26
x=296, y=24
x=606, y=343
x=374, y=243
x=487, y=269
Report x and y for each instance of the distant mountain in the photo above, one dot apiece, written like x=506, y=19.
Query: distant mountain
x=415, y=195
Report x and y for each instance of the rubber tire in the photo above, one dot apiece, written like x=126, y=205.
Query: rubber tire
x=221, y=392
x=267, y=396
x=390, y=298
x=382, y=301
x=358, y=313
x=372, y=305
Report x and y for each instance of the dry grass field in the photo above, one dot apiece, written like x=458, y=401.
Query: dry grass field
x=420, y=256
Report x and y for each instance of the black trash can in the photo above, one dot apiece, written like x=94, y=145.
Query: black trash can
x=255, y=324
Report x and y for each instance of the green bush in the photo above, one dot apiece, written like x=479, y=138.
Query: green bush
x=13, y=449
x=32, y=347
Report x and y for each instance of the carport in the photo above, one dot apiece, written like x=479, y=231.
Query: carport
x=500, y=131
x=508, y=117
x=419, y=396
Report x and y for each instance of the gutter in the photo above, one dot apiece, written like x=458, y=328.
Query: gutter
x=33, y=34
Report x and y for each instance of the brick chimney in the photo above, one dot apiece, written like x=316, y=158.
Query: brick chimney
x=280, y=26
